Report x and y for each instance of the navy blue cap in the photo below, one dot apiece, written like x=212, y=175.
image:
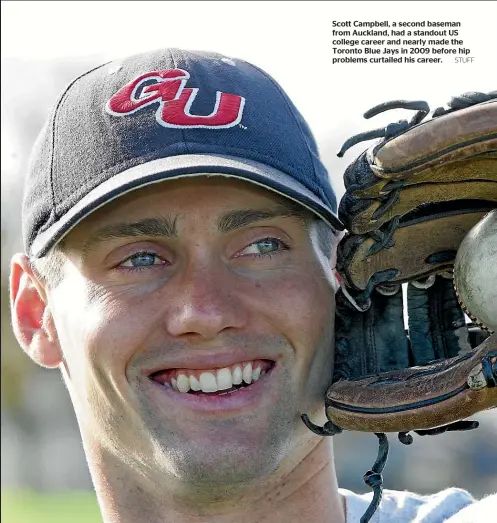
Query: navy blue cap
x=163, y=115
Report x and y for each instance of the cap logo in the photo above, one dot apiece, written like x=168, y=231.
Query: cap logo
x=167, y=88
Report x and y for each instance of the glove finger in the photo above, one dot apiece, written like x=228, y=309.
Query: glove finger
x=372, y=341
x=437, y=326
x=406, y=251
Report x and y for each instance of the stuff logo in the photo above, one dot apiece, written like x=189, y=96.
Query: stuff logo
x=167, y=88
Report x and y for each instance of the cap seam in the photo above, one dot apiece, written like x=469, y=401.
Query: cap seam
x=58, y=107
x=175, y=63
x=285, y=99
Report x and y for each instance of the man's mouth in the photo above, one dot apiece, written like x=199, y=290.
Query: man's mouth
x=209, y=382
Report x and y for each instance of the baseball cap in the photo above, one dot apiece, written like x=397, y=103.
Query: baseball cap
x=162, y=115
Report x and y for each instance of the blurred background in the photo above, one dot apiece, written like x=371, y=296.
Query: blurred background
x=45, y=45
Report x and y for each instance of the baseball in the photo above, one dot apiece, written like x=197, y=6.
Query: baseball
x=475, y=272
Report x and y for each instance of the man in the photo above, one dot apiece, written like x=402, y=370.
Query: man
x=180, y=234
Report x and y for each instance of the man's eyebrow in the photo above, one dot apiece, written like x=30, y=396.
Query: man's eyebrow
x=164, y=226
x=240, y=218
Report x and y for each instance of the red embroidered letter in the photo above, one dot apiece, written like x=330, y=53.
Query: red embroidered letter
x=167, y=88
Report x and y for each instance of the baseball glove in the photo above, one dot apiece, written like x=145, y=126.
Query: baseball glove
x=410, y=200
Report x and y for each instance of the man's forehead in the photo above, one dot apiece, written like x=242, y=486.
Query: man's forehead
x=210, y=191
x=218, y=198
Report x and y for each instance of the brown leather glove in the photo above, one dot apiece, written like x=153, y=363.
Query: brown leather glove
x=410, y=200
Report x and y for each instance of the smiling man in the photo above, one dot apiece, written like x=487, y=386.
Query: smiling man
x=180, y=234
x=175, y=239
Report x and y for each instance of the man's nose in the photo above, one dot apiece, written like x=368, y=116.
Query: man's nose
x=205, y=303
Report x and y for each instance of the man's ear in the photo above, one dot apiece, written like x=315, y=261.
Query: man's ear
x=32, y=320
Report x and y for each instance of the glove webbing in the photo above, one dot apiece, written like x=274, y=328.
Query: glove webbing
x=422, y=108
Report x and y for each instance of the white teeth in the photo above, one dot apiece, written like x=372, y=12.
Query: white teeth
x=208, y=382
x=194, y=383
x=223, y=378
x=237, y=375
x=183, y=383
x=256, y=373
x=247, y=373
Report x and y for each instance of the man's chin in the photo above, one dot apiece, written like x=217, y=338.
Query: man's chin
x=231, y=469
x=231, y=453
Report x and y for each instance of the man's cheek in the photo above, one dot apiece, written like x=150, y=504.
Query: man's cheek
x=309, y=302
x=96, y=341
x=316, y=323
x=93, y=328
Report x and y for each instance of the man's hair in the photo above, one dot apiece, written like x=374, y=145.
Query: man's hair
x=50, y=268
x=326, y=236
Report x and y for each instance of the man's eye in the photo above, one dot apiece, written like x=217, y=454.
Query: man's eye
x=142, y=259
x=267, y=246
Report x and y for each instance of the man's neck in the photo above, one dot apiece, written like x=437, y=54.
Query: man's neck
x=306, y=491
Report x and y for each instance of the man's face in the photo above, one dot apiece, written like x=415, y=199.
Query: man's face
x=167, y=286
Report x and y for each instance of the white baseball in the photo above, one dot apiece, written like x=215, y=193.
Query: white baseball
x=475, y=271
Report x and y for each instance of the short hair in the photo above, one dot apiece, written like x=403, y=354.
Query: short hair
x=327, y=237
x=50, y=268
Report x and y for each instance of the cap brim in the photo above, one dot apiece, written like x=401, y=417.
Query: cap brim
x=182, y=166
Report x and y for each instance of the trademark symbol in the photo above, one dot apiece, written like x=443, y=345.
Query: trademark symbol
x=242, y=126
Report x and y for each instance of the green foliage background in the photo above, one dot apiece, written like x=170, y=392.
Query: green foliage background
x=33, y=507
